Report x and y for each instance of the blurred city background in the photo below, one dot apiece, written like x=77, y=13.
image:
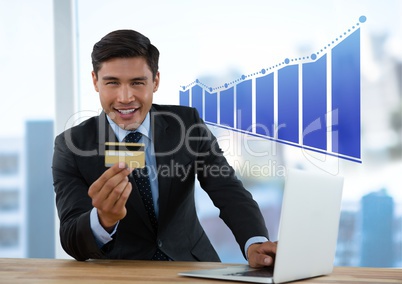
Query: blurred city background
x=45, y=70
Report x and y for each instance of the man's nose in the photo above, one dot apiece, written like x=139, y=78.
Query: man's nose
x=125, y=94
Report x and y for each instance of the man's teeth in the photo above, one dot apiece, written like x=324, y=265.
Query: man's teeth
x=126, y=111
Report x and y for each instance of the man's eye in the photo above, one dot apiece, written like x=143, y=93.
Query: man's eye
x=138, y=83
x=111, y=83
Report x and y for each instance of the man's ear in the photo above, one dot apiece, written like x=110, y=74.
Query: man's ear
x=156, y=81
x=95, y=81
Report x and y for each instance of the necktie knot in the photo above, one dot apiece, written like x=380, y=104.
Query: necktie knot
x=132, y=137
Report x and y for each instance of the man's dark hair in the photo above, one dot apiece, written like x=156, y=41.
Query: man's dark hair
x=124, y=44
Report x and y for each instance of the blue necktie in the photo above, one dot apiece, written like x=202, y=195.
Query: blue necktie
x=141, y=179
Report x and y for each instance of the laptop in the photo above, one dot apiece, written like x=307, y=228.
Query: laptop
x=308, y=232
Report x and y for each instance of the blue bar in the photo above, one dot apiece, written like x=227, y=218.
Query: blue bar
x=244, y=105
x=315, y=103
x=264, y=109
x=196, y=95
x=346, y=96
x=227, y=107
x=288, y=104
x=211, y=107
x=185, y=98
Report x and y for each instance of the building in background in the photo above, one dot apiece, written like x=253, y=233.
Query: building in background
x=26, y=193
x=377, y=230
x=39, y=187
x=12, y=198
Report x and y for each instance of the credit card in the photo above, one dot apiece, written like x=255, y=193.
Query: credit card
x=130, y=153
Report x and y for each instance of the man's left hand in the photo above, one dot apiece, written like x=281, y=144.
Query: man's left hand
x=261, y=254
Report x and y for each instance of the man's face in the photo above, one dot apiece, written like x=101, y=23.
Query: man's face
x=126, y=87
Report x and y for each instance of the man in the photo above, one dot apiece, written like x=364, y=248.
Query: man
x=101, y=210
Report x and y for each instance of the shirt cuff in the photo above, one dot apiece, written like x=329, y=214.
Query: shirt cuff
x=253, y=240
x=102, y=237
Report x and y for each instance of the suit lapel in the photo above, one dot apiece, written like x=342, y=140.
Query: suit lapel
x=160, y=132
x=96, y=161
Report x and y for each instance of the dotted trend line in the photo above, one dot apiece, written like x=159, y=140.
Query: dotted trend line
x=313, y=57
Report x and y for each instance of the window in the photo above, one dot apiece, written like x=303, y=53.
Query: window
x=9, y=236
x=9, y=163
x=9, y=199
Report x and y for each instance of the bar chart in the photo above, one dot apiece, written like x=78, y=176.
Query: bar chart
x=311, y=102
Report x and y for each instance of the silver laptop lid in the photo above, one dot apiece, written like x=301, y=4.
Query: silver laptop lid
x=309, y=225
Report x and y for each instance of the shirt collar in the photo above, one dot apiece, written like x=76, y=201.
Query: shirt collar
x=144, y=128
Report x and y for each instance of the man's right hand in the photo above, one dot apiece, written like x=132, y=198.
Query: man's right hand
x=109, y=195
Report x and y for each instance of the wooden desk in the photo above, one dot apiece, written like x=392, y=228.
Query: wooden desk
x=122, y=271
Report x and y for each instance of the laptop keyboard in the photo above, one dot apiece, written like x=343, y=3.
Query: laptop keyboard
x=263, y=272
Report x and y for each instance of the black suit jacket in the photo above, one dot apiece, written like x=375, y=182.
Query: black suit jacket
x=185, y=149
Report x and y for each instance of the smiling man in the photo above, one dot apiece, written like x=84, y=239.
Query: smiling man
x=148, y=213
